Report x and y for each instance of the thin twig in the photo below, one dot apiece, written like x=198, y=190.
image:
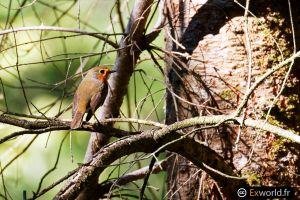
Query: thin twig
x=63, y=29
x=249, y=57
x=52, y=169
x=262, y=79
x=19, y=154
x=64, y=59
x=4, y=96
x=19, y=75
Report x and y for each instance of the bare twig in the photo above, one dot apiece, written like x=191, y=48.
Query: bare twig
x=52, y=169
x=19, y=154
x=262, y=79
x=19, y=75
x=63, y=29
x=63, y=59
x=4, y=95
x=41, y=126
x=106, y=186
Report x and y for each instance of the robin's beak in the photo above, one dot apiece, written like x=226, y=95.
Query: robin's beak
x=112, y=71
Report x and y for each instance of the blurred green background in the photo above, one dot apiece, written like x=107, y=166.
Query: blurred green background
x=47, y=61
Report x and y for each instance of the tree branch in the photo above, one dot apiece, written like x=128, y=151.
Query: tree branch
x=126, y=59
x=107, y=186
x=62, y=29
x=148, y=142
x=262, y=79
x=53, y=124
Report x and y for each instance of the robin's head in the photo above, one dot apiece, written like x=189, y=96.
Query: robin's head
x=102, y=73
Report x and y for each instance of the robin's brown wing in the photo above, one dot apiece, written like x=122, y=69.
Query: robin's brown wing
x=76, y=120
x=96, y=101
x=76, y=115
x=75, y=104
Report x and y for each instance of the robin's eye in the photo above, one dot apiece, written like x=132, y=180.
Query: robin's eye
x=102, y=71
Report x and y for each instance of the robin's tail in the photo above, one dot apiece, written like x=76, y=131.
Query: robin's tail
x=77, y=120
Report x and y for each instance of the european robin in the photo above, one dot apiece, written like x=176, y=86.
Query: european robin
x=90, y=94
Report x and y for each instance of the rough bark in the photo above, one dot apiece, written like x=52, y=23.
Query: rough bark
x=211, y=75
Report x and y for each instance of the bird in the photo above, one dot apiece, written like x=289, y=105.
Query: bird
x=90, y=94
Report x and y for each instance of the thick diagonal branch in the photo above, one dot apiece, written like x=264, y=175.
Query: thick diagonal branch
x=127, y=56
x=126, y=59
x=148, y=142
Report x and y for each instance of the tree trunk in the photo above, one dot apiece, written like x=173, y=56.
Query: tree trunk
x=214, y=47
